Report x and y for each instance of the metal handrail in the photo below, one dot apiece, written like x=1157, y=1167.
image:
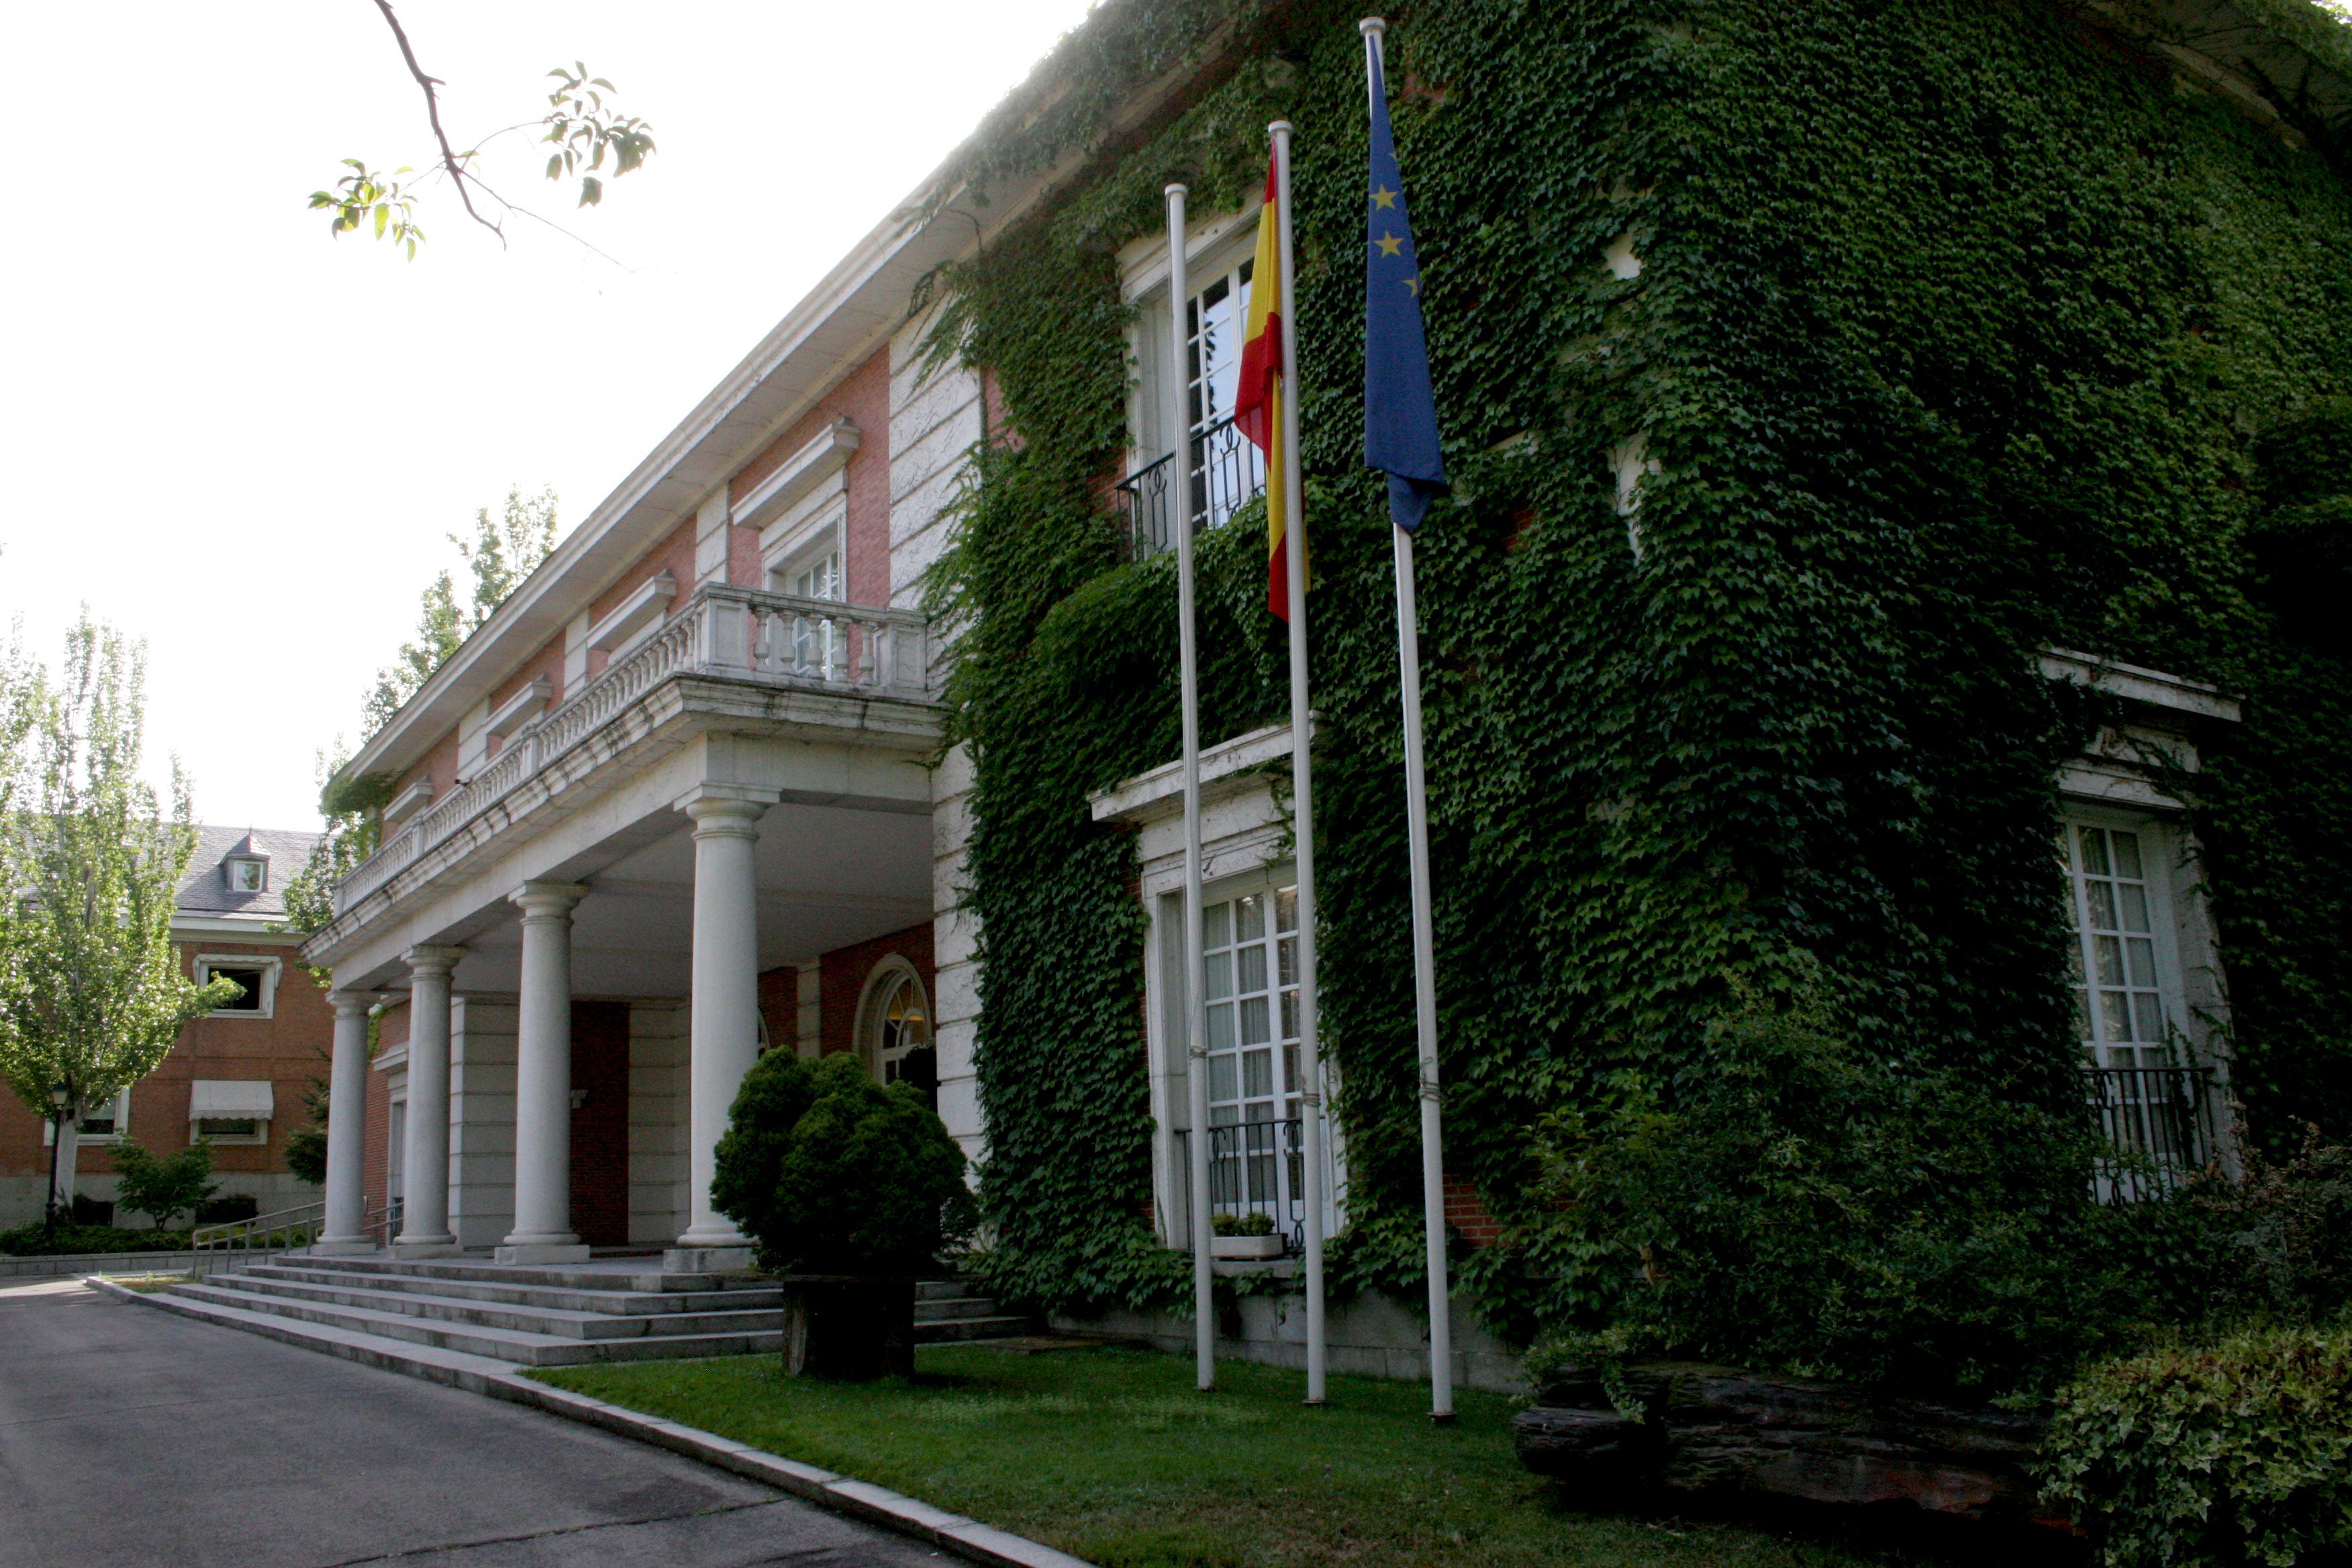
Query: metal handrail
x=384, y=1223
x=1242, y=1176
x=1227, y=472
x=263, y=1233
x=2158, y=1122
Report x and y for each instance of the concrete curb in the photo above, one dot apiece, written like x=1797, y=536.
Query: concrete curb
x=60, y=1264
x=967, y=1537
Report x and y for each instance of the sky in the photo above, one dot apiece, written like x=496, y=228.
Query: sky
x=245, y=442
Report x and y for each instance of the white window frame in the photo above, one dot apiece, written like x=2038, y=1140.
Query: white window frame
x=121, y=1124
x=1217, y=250
x=881, y=983
x=2161, y=854
x=229, y=869
x=1266, y=882
x=206, y=962
x=255, y=1138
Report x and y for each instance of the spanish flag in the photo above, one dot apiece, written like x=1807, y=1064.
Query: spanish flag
x=1258, y=403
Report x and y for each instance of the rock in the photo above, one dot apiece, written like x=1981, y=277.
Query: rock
x=1716, y=1431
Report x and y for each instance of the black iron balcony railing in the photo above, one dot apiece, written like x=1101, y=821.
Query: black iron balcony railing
x=1227, y=472
x=2159, y=1121
x=1255, y=1167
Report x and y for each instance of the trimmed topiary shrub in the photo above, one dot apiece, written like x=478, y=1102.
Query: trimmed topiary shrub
x=2236, y=1451
x=831, y=1172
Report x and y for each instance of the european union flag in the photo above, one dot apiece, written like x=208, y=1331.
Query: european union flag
x=1400, y=410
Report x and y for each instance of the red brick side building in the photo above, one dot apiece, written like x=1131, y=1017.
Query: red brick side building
x=237, y=1076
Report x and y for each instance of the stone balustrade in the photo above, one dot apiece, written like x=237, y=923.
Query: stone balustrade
x=721, y=632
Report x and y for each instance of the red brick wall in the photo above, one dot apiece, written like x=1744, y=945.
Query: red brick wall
x=439, y=764
x=863, y=397
x=289, y=1048
x=600, y=1127
x=674, y=555
x=548, y=661
x=841, y=981
x=780, y=1006
x=1466, y=1211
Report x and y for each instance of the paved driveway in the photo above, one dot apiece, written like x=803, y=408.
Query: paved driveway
x=132, y=1438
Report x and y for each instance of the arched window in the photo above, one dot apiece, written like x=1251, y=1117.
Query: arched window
x=894, y=1032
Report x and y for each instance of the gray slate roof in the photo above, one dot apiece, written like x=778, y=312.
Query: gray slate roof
x=204, y=889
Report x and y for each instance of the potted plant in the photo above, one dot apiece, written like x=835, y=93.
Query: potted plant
x=850, y=1190
x=1248, y=1235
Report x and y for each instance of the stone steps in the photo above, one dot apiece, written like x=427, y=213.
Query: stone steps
x=627, y=1300
x=594, y=1322
x=561, y=1315
x=523, y=1346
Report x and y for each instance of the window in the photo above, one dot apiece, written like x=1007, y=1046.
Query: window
x=257, y=976
x=897, y=1027
x=1250, y=951
x=816, y=640
x=247, y=876
x=2120, y=972
x=248, y=978
x=230, y=1110
x=106, y=1122
x=1222, y=471
x=2155, y=1104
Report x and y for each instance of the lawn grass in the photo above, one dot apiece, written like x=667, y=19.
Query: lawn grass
x=1111, y=1454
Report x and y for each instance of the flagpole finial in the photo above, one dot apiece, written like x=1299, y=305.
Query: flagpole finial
x=1372, y=27
x=1176, y=188
x=1278, y=128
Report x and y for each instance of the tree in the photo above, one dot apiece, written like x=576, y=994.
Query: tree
x=306, y=1147
x=162, y=1188
x=583, y=129
x=503, y=551
x=91, y=992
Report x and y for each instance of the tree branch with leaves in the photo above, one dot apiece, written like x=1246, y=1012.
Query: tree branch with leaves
x=583, y=127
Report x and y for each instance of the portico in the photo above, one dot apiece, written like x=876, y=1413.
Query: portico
x=720, y=823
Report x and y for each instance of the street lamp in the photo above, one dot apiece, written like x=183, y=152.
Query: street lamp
x=60, y=1098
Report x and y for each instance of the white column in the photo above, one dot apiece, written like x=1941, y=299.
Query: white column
x=346, y=1223
x=424, y=1159
x=543, y=1190
x=723, y=1031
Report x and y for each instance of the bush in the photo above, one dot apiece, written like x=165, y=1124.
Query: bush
x=175, y=1184
x=222, y=1211
x=2195, y=1455
x=2281, y=1238
x=832, y=1173
x=1800, y=1202
x=67, y=1240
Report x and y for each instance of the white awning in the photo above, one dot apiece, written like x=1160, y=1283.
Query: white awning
x=226, y=1099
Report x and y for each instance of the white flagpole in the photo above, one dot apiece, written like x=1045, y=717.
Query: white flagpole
x=1424, y=959
x=1302, y=787
x=1177, y=493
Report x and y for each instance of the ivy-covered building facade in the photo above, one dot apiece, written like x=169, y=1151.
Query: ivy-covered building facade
x=1885, y=714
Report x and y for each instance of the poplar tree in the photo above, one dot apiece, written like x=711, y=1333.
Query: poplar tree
x=92, y=993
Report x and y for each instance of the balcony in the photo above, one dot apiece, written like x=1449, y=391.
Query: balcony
x=1255, y=1167
x=1227, y=473
x=2159, y=1124
x=739, y=636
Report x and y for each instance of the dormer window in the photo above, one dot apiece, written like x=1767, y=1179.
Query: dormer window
x=246, y=868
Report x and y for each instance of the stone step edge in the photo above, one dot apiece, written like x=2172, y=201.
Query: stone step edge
x=393, y=1303
x=967, y=1537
